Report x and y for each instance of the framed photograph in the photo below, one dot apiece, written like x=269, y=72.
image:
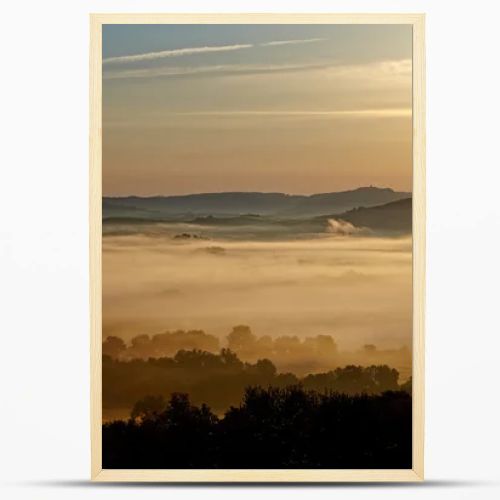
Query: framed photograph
x=257, y=247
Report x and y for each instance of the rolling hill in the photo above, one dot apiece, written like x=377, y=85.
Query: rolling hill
x=240, y=203
x=394, y=216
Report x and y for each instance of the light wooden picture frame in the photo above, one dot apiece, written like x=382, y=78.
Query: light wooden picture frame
x=416, y=473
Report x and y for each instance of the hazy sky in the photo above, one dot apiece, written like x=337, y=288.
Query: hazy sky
x=289, y=108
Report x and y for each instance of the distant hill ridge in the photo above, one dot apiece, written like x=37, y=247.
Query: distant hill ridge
x=393, y=216
x=259, y=203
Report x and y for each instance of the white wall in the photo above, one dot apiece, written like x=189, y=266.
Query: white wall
x=44, y=430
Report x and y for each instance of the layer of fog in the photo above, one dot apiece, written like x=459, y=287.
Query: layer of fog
x=343, y=228
x=356, y=289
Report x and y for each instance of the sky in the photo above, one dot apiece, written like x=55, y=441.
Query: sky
x=273, y=108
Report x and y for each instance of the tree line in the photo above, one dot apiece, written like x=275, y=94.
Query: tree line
x=288, y=352
x=289, y=427
x=219, y=380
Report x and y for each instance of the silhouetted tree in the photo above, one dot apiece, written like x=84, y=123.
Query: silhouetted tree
x=148, y=407
x=370, y=348
x=407, y=386
x=241, y=338
x=113, y=346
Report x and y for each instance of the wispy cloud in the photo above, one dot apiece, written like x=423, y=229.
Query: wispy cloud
x=174, y=53
x=355, y=113
x=292, y=42
x=173, y=71
x=251, y=117
x=149, y=56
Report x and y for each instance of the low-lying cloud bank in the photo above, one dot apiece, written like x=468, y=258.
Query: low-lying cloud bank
x=343, y=228
x=357, y=290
